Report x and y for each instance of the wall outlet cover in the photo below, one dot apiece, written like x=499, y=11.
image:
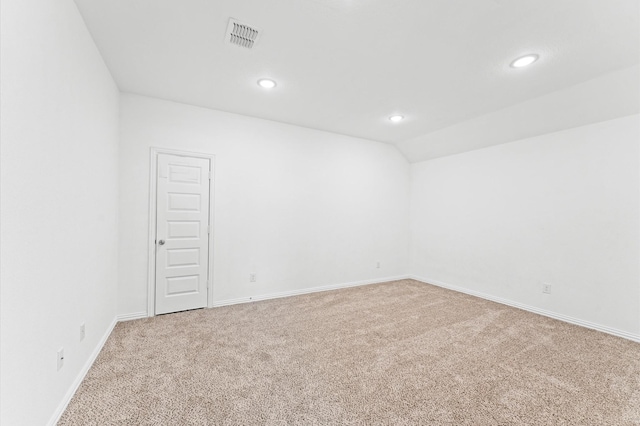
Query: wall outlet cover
x=60, y=358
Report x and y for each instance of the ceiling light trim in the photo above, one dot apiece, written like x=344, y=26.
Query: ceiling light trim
x=267, y=83
x=525, y=60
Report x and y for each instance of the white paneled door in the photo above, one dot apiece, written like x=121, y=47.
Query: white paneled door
x=182, y=233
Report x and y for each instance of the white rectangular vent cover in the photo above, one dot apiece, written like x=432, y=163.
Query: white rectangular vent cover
x=241, y=34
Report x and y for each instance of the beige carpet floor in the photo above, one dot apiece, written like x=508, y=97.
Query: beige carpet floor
x=397, y=353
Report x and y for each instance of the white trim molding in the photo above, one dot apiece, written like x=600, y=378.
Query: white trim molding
x=289, y=293
x=80, y=377
x=132, y=316
x=554, y=315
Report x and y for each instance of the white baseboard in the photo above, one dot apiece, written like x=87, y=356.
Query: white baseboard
x=132, y=316
x=554, y=315
x=278, y=295
x=80, y=377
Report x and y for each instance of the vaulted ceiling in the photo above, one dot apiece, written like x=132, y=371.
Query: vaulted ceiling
x=345, y=66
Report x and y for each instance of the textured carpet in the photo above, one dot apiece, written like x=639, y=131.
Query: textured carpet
x=396, y=354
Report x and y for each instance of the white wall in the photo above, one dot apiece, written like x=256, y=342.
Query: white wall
x=299, y=207
x=561, y=208
x=59, y=204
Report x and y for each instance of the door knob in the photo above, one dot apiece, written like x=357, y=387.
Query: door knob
x=161, y=242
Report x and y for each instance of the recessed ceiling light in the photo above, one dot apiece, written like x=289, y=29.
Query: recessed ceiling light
x=396, y=118
x=524, y=61
x=266, y=83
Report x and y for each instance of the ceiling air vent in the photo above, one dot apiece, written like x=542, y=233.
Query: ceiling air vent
x=242, y=35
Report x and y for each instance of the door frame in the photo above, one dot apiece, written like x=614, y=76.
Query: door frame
x=153, y=175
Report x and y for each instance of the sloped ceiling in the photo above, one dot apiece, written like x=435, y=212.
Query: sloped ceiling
x=345, y=66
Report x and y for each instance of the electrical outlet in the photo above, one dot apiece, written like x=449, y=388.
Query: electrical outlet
x=378, y=264
x=546, y=288
x=252, y=278
x=60, y=358
x=82, y=333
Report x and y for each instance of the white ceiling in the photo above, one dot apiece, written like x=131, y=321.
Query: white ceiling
x=345, y=65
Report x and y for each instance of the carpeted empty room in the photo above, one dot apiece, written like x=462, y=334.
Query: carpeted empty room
x=319, y=212
x=397, y=353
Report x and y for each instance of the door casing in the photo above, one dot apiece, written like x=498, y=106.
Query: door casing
x=153, y=175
